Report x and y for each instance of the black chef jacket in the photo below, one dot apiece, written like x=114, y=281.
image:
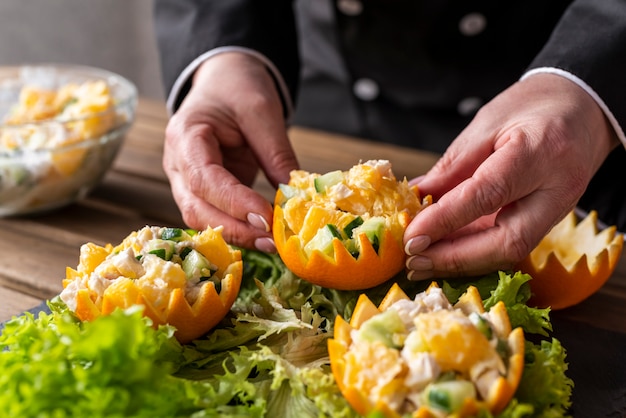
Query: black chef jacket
x=413, y=72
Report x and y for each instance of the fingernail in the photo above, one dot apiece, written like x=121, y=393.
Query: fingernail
x=417, y=244
x=419, y=263
x=258, y=221
x=419, y=275
x=265, y=244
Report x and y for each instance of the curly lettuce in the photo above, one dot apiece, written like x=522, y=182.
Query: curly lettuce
x=118, y=366
x=267, y=358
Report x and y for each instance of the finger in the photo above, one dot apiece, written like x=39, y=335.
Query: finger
x=253, y=232
x=458, y=163
x=498, y=247
x=496, y=183
x=200, y=177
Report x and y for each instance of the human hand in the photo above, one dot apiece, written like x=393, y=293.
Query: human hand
x=229, y=125
x=517, y=169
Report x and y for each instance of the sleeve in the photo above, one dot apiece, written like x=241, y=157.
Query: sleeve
x=588, y=47
x=187, y=29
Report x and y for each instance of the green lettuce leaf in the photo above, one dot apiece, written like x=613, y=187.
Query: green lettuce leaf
x=268, y=357
x=545, y=389
x=514, y=291
x=115, y=366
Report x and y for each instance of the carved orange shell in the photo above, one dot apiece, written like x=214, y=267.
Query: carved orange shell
x=444, y=344
x=572, y=262
x=163, y=298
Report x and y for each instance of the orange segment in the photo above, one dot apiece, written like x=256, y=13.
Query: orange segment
x=212, y=246
x=122, y=293
x=68, y=161
x=85, y=308
x=572, y=262
x=91, y=255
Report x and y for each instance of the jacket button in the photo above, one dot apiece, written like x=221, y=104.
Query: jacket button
x=469, y=106
x=472, y=24
x=350, y=7
x=366, y=89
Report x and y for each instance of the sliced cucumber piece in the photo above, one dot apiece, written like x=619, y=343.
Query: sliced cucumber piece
x=174, y=234
x=323, y=240
x=449, y=395
x=481, y=324
x=325, y=181
x=335, y=231
x=386, y=327
x=373, y=228
x=161, y=248
x=184, y=252
x=290, y=191
x=197, y=267
x=352, y=247
x=358, y=221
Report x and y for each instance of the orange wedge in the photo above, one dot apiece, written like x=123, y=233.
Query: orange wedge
x=405, y=356
x=189, y=281
x=572, y=262
x=365, y=209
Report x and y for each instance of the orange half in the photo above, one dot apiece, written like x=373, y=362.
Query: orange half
x=456, y=347
x=367, y=190
x=98, y=286
x=572, y=262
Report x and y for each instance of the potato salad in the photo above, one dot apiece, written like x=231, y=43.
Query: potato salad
x=46, y=152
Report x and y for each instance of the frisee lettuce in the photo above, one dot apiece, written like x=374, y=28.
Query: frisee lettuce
x=267, y=358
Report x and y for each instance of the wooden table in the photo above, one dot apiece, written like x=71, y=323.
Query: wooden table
x=36, y=249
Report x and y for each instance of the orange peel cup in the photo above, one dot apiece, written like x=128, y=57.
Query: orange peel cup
x=572, y=262
x=354, y=258
x=191, y=297
x=375, y=377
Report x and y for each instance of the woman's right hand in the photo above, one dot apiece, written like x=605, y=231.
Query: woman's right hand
x=229, y=125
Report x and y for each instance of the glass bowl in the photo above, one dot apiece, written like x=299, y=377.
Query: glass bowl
x=61, y=127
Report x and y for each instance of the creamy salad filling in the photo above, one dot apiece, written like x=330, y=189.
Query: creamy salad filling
x=158, y=260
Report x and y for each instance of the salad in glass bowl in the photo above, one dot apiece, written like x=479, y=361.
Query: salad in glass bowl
x=61, y=127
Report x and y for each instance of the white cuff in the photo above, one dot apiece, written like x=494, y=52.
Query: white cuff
x=609, y=115
x=187, y=73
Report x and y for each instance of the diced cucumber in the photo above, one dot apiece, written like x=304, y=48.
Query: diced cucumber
x=325, y=181
x=197, y=267
x=481, y=324
x=18, y=174
x=290, y=191
x=323, y=240
x=449, y=395
x=358, y=221
x=174, y=234
x=335, y=231
x=352, y=247
x=161, y=248
x=373, y=228
x=184, y=252
x=386, y=327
